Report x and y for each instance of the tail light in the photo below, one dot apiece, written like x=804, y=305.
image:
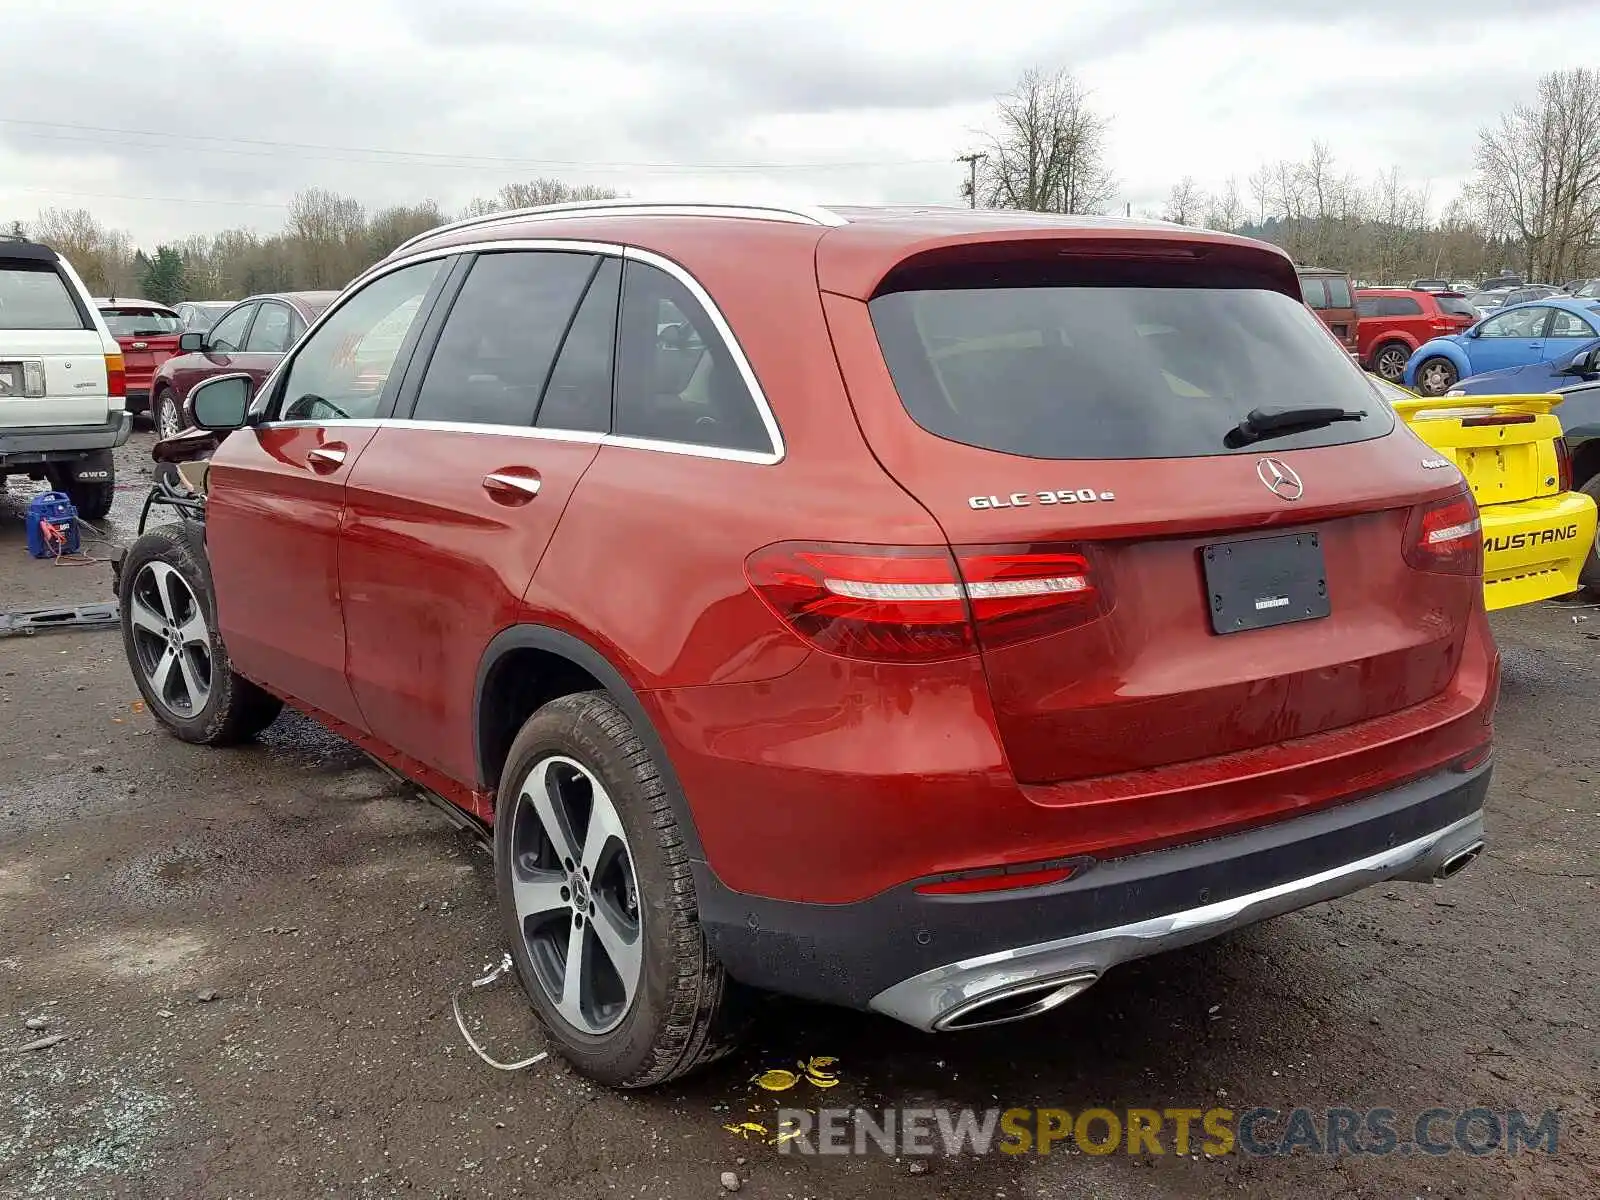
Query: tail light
x=1446, y=536
x=920, y=603
x=1563, y=465
x=116, y=376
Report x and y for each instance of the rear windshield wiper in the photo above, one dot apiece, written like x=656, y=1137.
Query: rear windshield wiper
x=1262, y=423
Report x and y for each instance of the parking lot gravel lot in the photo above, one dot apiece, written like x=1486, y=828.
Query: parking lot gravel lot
x=250, y=956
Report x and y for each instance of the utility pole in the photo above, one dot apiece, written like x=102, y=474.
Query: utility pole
x=972, y=161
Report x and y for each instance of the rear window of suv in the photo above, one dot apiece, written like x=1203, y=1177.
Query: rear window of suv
x=1092, y=372
x=1456, y=306
x=36, y=297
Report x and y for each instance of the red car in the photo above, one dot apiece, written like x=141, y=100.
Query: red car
x=1395, y=321
x=917, y=610
x=251, y=337
x=148, y=334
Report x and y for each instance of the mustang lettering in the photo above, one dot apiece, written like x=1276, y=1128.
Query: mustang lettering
x=1537, y=537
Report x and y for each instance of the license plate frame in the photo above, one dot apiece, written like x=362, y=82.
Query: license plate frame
x=1264, y=582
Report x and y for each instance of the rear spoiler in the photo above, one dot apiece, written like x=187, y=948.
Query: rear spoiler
x=1424, y=408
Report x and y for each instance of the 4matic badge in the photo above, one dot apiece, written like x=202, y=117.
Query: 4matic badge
x=1028, y=499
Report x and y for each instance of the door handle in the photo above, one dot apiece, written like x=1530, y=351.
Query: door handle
x=327, y=458
x=509, y=487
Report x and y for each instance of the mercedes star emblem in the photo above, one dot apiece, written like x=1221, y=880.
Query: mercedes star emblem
x=1280, y=479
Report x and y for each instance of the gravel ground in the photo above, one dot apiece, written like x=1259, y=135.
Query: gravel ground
x=252, y=953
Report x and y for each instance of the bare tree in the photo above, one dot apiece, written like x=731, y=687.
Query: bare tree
x=1227, y=208
x=1538, y=174
x=535, y=192
x=1047, y=150
x=103, y=257
x=1185, y=202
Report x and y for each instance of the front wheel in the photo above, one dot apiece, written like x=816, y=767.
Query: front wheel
x=169, y=632
x=1436, y=376
x=1390, y=361
x=597, y=900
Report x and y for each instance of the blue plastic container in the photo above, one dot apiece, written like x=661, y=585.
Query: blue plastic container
x=55, y=508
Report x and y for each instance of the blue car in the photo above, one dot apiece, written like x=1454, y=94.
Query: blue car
x=1542, y=331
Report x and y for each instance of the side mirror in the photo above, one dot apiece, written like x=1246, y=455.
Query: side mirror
x=1584, y=363
x=188, y=343
x=221, y=403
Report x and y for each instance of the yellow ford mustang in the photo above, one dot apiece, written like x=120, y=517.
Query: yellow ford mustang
x=1536, y=531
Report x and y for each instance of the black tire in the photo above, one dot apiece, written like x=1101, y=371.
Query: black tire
x=1436, y=375
x=1589, y=577
x=685, y=1011
x=232, y=709
x=166, y=415
x=1389, y=361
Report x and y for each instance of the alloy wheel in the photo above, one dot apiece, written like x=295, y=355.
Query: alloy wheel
x=576, y=895
x=167, y=423
x=1435, y=378
x=1391, y=364
x=170, y=638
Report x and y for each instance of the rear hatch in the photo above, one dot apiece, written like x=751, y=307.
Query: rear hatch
x=1329, y=296
x=1146, y=593
x=1456, y=313
x=1509, y=448
x=148, y=337
x=53, y=368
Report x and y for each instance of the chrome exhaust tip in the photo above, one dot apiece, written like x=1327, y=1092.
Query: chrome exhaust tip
x=1017, y=1002
x=1458, y=862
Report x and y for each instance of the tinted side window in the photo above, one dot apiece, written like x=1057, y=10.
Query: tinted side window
x=676, y=379
x=227, y=335
x=341, y=370
x=497, y=347
x=34, y=296
x=270, y=333
x=1338, y=291
x=1316, y=295
x=1399, y=306
x=1367, y=306
x=579, y=393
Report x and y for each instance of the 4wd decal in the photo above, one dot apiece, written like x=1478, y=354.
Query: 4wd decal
x=1539, y=537
x=1027, y=499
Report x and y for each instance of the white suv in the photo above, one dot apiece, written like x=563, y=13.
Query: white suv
x=62, y=379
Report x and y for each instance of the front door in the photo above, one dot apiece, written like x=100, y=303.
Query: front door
x=1509, y=339
x=277, y=493
x=452, y=505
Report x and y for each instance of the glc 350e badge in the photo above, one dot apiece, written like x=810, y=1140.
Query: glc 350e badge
x=1028, y=499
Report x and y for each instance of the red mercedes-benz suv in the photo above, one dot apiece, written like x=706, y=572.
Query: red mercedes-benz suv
x=917, y=610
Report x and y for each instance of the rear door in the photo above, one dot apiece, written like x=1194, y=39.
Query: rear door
x=52, y=358
x=1056, y=415
x=276, y=492
x=454, y=501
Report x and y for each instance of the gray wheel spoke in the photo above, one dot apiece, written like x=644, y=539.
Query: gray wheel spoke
x=621, y=943
x=161, y=673
x=146, y=618
x=571, y=1002
x=603, y=828
x=193, y=632
x=540, y=791
x=197, y=689
x=162, y=575
x=538, y=895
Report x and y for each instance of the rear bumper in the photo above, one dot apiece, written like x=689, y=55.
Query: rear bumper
x=27, y=445
x=1535, y=549
x=928, y=960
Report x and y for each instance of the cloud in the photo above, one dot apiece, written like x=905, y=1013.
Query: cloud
x=819, y=99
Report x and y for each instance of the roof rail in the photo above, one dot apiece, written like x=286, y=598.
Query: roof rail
x=797, y=214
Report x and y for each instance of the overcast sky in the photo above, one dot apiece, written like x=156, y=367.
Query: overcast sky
x=817, y=100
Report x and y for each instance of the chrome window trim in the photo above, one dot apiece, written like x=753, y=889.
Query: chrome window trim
x=769, y=419
x=795, y=214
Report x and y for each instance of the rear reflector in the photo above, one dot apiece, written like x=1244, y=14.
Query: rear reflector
x=915, y=603
x=116, y=376
x=1498, y=419
x=1446, y=536
x=993, y=879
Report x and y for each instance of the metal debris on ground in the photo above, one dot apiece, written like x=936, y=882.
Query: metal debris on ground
x=776, y=1080
x=461, y=1024
x=819, y=1071
x=71, y=616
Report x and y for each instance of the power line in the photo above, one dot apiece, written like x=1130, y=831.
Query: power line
x=46, y=130
x=155, y=199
